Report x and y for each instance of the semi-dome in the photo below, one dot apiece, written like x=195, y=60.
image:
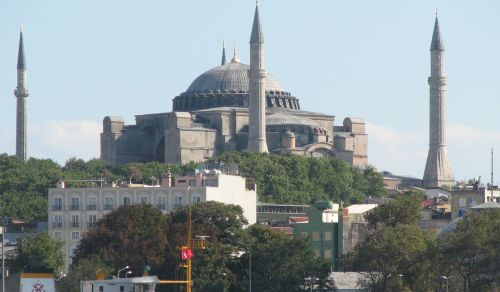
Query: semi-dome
x=229, y=77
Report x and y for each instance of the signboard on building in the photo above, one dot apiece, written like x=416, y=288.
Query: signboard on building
x=37, y=282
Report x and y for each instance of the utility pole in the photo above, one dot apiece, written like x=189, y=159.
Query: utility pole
x=250, y=268
x=188, y=245
x=491, y=173
x=5, y=220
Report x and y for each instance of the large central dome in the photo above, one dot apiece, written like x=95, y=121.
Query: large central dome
x=230, y=77
x=227, y=86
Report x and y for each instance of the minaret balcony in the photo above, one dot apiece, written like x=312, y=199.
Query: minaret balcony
x=21, y=92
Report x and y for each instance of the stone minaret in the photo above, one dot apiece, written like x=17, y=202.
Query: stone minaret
x=437, y=169
x=223, y=60
x=22, y=94
x=257, y=89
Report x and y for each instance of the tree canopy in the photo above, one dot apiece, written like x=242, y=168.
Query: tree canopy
x=117, y=241
x=38, y=253
x=286, y=179
x=132, y=236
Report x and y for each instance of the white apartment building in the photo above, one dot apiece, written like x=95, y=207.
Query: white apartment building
x=73, y=210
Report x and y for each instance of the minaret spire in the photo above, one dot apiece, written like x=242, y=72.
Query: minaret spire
x=437, y=169
x=257, y=89
x=223, y=61
x=21, y=92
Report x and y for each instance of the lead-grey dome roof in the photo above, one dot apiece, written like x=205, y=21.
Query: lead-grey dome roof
x=231, y=77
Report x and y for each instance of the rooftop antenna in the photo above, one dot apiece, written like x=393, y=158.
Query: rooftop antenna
x=492, y=173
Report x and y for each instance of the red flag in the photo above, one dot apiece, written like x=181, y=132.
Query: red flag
x=187, y=254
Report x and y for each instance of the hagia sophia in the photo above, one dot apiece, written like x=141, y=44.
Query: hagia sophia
x=233, y=107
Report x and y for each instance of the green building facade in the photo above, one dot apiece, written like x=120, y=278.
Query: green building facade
x=324, y=230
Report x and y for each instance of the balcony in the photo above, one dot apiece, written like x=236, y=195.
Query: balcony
x=56, y=207
x=91, y=224
x=91, y=207
x=74, y=207
x=74, y=224
x=161, y=206
x=57, y=224
x=177, y=205
x=108, y=207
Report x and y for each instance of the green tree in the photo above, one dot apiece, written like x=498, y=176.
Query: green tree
x=29, y=206
x=299, y=180
x=85, y=270
x=38, y=253
x=131, y=235
x=279, y=263
x=404, y=210
x=391, y=251
x=223, y=224
x=472, y=251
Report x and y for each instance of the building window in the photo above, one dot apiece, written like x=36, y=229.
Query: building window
x=195, y=199
x=462, y=202
x=177, y=202
x=58, y=221
x=328, y=253
x=75, y=235
x=75, y=221
x=328, y=235
x=161, y=203
x=211, y=183
x=126, y=201
x=92, y=221
x=57, y=205
x=192, y=182
x=315, y=235
x=75, y=204
x=92, y=204
x=303, y=234
x=108, y=203
x=471, y=202
x=144, y=200
x=58, y=235
x=461, y=213
x=101, y=288
x=316, y=252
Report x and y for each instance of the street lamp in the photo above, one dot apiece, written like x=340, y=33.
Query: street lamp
x=63, y=275
x=118, y=274
x=128, y=273
x=446, y=278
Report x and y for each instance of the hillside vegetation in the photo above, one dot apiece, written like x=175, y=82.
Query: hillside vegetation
x=287, y=179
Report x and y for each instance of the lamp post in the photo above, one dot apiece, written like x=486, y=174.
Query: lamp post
x=128, y=273
x=5, y=221
x=446, y=278
x=118, y=274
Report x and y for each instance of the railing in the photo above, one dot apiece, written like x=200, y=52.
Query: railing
x=74, y=207
x=91, y=207
x=91, y=224
x=161, y=206
x=74, y=224
x=108, y=207
x=56, y=207
x=177, y=205
x=57, y=224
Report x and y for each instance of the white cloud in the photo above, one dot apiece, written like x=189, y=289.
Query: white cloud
x=60, y=140
x=405, y=152
x=401, y=152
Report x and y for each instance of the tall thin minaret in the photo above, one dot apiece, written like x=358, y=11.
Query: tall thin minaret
x=257, y=89
x=223, y=61
x=21, y=92
x=437, y=169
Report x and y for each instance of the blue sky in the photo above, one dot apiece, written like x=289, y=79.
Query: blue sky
x=370, y=59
